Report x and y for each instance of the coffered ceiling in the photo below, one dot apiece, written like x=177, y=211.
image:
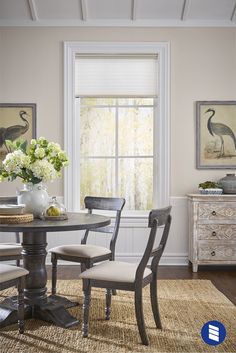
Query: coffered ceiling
x=134, y=13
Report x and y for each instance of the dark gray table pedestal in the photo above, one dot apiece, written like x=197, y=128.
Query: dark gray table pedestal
x=37, y=304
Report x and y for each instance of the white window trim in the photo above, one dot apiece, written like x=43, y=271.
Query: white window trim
x=161, y=141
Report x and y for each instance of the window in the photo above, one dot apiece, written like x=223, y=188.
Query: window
x=116, y=149
x=125, y=131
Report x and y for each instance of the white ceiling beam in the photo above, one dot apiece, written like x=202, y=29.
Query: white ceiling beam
x=185, y=10
x=233, y=16
x=134, y=10
x=84, y=9
x=33, y=10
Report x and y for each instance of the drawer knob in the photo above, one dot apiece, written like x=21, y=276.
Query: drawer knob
x=213, y=253
x=213, y=234
x=213, y=213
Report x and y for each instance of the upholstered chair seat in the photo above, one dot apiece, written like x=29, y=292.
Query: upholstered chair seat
x=10, y=249
x=8, y=272
x=114, y=271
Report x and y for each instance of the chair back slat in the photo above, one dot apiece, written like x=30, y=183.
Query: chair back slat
x=161, y=214
x=157, y=218
x=104, y=203
x=157, y=253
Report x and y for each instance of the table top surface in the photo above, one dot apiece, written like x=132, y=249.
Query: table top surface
x=75, y=221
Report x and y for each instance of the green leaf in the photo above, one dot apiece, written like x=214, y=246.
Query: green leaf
x=10, y=144
x=23, y=146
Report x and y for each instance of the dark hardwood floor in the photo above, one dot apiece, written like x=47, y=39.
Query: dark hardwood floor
x=223, y=277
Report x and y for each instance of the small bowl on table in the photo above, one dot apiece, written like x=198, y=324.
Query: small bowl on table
x=211, y=191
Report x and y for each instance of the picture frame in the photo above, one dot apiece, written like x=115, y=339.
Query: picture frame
x=17, y=121
x=216, y=134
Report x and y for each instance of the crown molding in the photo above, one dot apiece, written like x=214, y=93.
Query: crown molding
x=118, y=23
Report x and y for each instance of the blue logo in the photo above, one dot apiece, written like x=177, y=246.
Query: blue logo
x=213, y=333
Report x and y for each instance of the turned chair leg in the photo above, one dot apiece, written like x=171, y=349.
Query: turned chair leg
x=87, y=295
x=114, y=292
x=54, y=273
x=21, y=304
x=140, y=316
x=154, y=302
x=83, y=267
x=18, y=265
x=108, y=304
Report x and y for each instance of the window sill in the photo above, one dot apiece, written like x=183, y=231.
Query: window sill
x=125, y=214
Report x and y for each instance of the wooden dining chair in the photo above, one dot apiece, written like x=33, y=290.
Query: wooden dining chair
x=10, y=250
x=13, y=276
x=129, y=276
x=88, y=254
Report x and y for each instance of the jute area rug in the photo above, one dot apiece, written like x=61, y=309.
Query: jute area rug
x=185, y=305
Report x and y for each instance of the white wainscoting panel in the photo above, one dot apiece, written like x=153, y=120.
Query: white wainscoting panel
x=132, y=238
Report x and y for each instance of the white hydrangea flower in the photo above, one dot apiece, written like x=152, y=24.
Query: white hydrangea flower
x=39, y=152
x=44, y=170
x=15, y=161
x=33, y=142
x=40, y=159
x=54, y=147
x=62, y=156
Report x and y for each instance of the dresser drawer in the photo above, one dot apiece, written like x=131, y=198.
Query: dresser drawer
x=216, y=211
x=216, y=231
x=212, y=251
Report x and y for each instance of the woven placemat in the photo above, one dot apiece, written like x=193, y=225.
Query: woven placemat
x=15, y=219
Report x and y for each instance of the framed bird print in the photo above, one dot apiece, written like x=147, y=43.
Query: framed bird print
x=17, y=121
x=216, y=134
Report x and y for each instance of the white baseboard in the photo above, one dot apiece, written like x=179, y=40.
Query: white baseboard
x=174, y=260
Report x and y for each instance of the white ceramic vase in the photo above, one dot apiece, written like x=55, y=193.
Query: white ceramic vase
x=35, y=198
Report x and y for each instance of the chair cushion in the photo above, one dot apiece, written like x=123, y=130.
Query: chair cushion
x=8, y=249
x=8, y=272
x=83, y=250
x=116, y=271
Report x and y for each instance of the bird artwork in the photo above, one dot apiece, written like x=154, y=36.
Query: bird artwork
x=220, y=130
x=14, y=132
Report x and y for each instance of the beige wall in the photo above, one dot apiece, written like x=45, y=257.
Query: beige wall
x=203, y=67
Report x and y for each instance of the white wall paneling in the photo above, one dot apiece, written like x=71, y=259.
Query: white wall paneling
x=133, y=237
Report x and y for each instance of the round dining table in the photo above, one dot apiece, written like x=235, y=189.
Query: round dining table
x=38, y=304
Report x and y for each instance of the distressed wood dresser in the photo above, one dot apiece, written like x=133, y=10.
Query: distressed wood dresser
x=212, y=229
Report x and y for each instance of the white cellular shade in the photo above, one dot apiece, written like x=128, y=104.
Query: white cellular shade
x=117, y=76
